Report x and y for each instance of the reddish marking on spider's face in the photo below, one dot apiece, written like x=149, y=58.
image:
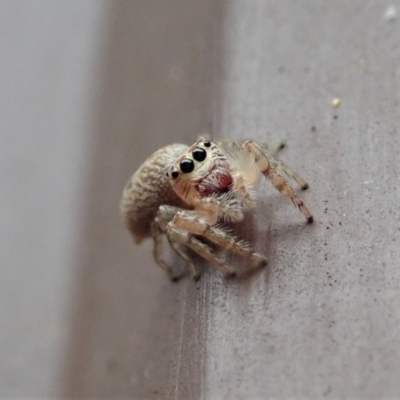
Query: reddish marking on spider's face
x=216, y=181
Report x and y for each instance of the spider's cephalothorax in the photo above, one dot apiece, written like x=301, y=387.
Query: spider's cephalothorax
x=186, y=193
x=201, y=172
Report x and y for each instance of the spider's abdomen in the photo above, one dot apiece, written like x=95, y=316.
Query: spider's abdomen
x=147, y=189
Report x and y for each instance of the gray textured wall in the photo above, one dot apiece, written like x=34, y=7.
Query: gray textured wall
x=89, y=89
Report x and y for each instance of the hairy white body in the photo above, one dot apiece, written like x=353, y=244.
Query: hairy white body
x=187, y=193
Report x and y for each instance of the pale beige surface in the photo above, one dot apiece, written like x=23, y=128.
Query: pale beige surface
x=89, y=89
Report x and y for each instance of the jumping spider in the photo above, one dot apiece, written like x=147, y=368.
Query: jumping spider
x=187, y=193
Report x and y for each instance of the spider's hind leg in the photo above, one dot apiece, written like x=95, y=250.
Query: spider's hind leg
x=280, y=166
x=194, y=271
x=186, y=238
x=159, y=227
x=157, y=233
x=270, y=169
x=274, y=146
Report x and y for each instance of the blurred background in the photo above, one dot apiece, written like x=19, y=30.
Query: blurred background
x=89, y=89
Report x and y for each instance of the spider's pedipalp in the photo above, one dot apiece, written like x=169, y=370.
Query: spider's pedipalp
x=227, y=208
x=244, y=190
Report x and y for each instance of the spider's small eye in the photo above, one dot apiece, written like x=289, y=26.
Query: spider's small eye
x=187, y=165
x=174, y=174
x=207, y=143
x=167, y=174
x=199, y=154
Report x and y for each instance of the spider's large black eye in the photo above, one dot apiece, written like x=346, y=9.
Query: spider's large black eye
x=199, y=154
x=174, y=174
x=187, y=165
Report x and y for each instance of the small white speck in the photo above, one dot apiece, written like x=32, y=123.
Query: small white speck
x=390, y=13
x=368, y=182
x=336, y=102
x=345, y=192
x=344, y=215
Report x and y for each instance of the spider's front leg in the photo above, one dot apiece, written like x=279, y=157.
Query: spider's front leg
x=270, y=167
x=196, y=223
